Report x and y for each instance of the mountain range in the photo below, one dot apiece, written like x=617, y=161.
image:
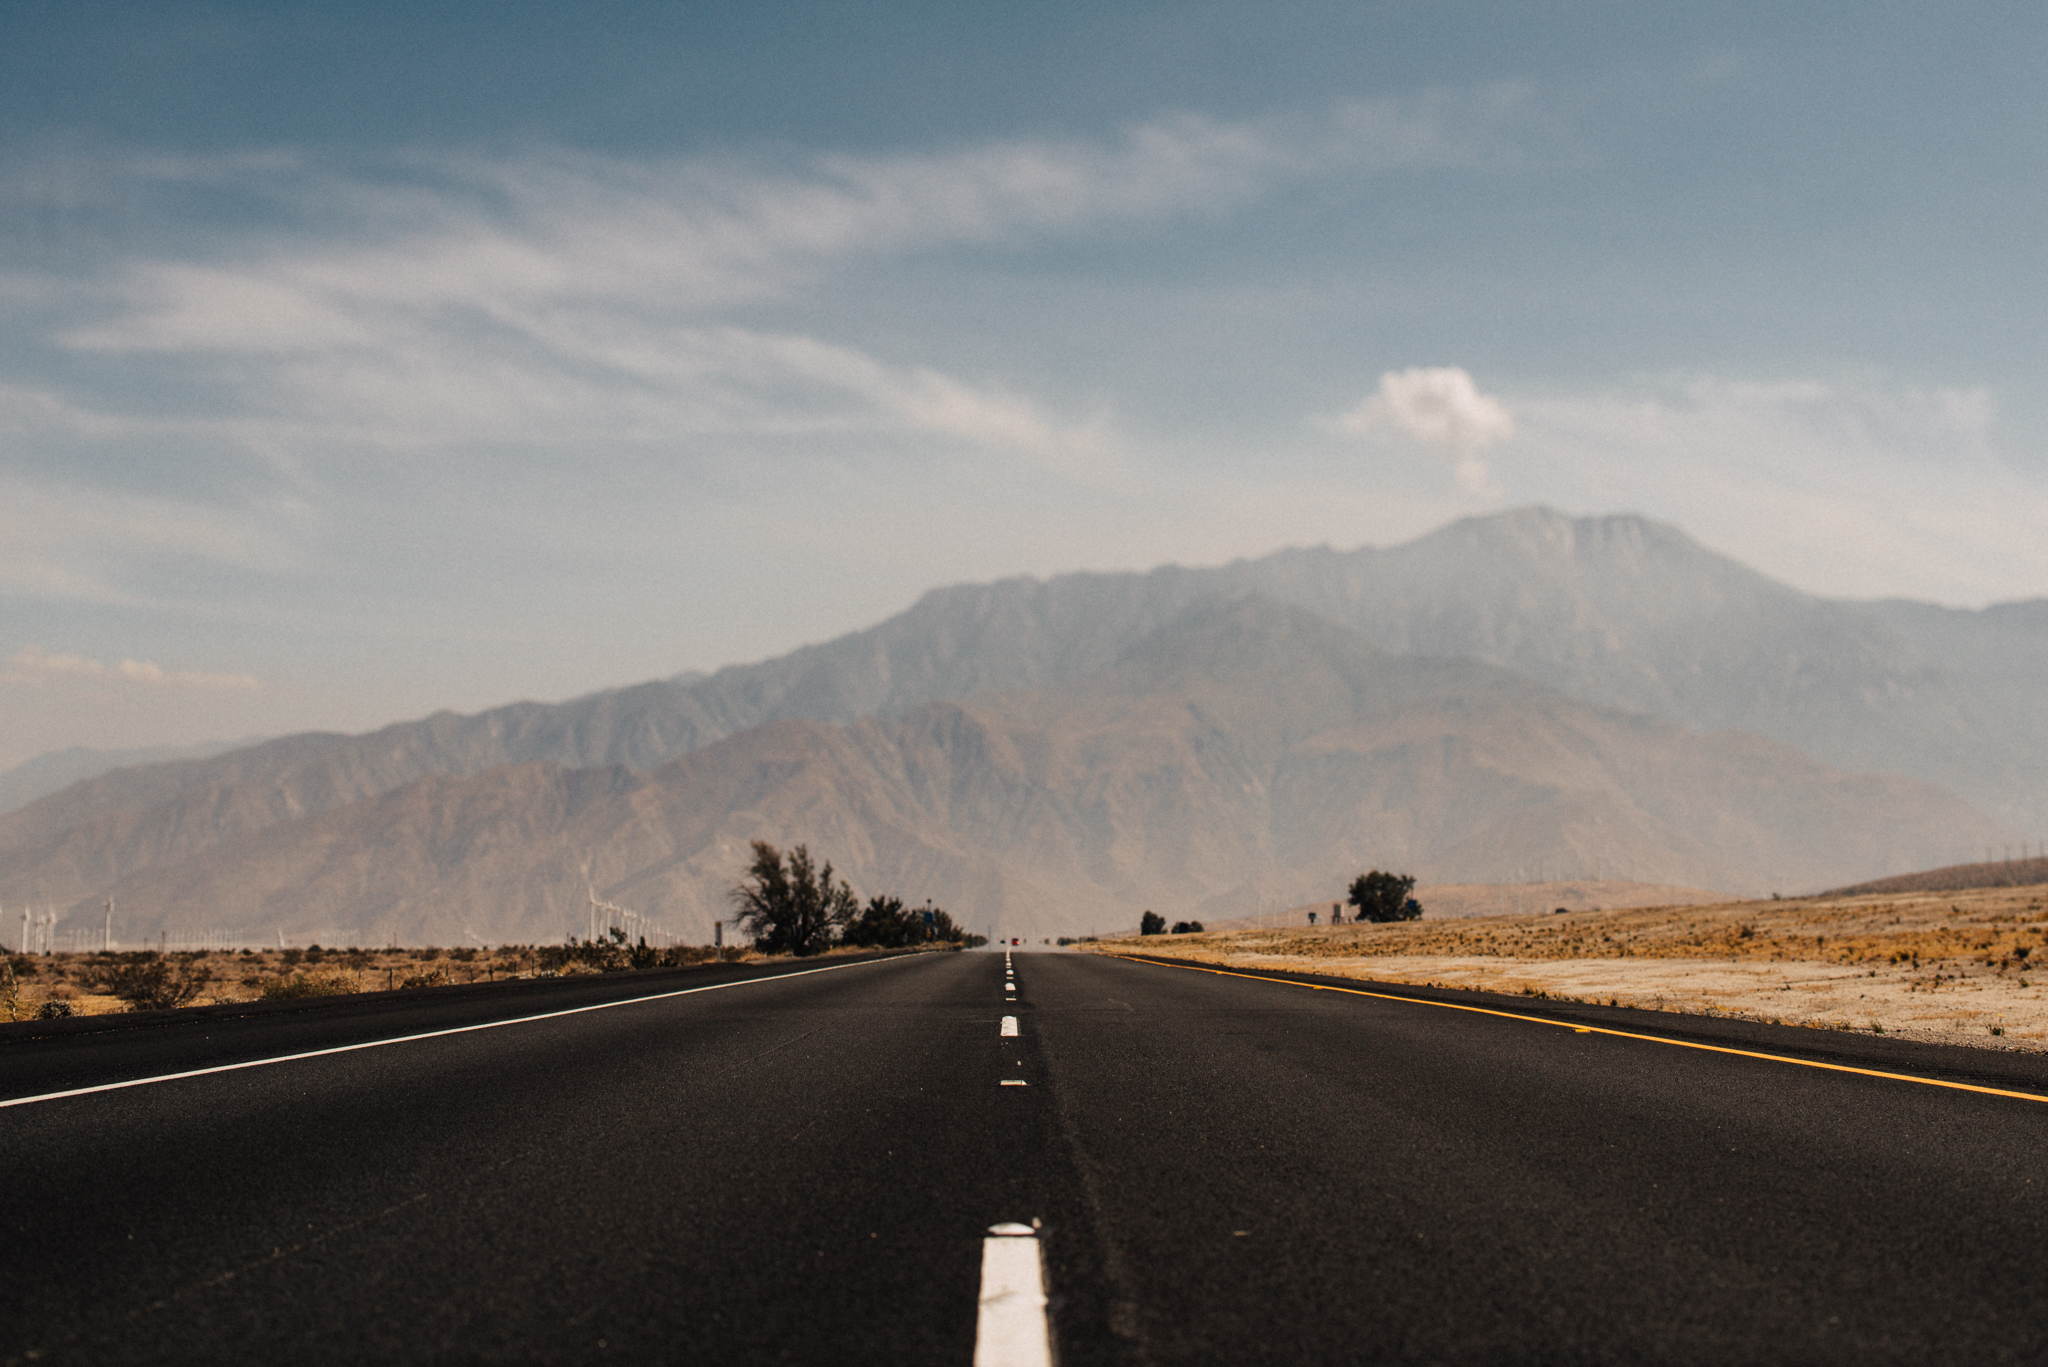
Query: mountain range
x=1595, y=694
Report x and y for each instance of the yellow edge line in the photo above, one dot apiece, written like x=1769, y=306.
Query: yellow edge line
x=1600, y=1030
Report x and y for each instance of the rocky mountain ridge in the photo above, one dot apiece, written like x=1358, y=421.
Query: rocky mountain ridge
x=1616, y=612
x=1248, y=755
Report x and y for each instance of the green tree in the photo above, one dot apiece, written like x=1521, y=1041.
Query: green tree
x=1384, y=897
x=792, y=907
x=1152, y=924
x=885, y=923
x=942, y=930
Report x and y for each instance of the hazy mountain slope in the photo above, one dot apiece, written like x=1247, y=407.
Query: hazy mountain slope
x=131, y=819
x=1248, y=755
x=1618, y=611
x=1633, y=614
x=41, y=775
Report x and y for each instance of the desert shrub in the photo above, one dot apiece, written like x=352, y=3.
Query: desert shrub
x=152, y=982
x=611, y=954
x=1187, y=927
x=431, y=977
x=56, y=1008
x=608, y=953
x=1152, y=923
x=294, y=957
x=333, y=983
x=10, y=992
x=465, y=955
x=356, y=961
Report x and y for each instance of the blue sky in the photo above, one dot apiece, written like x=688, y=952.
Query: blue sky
x=359, y=360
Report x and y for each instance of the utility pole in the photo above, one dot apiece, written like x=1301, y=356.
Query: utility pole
x=107, y=931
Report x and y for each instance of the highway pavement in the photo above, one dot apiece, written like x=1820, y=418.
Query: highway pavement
x=799, y=1163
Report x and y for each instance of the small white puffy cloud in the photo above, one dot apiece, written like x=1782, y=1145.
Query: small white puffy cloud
x=1442, y=409
x=32, y=666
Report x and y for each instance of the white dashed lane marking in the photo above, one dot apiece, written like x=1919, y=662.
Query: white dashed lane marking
x=1010, y=1330
x=1009, y=1027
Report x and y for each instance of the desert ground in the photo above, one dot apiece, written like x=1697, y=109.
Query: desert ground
x=1442, y=901
x=81, y=983
x=1958, y=967
x=27, y=981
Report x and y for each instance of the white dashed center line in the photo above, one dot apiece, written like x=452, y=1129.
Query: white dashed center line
x=1009, y=1027
x=1010, y=1330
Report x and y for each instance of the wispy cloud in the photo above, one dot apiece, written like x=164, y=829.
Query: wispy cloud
x=1834, y=485
x=558, y=301
x=578, y=230
x=32, y=667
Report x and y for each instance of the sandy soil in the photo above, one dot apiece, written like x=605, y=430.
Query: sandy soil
x=233, y=977
x=1959, y=967
x=1454, y=900
x=1447, y=900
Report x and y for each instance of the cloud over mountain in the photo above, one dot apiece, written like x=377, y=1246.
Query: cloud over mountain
x=1441, y=408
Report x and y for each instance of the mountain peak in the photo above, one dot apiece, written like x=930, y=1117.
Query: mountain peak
x=1625, y=543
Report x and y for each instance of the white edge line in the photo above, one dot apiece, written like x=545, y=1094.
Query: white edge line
x=430, y=1034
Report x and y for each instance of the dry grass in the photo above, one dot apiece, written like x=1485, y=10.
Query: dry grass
x=241, y=977
x=1954, y=966
x=1457, y=900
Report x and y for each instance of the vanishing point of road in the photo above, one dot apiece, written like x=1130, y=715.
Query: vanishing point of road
x=803, y=1163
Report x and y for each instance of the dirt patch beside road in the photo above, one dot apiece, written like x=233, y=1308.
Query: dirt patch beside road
x=1960, y=967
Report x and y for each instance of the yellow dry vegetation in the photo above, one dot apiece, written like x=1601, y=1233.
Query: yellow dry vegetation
x=238, y=977
x=1957, y=966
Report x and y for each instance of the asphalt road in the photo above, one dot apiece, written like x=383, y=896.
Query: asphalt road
x=801, y=1168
